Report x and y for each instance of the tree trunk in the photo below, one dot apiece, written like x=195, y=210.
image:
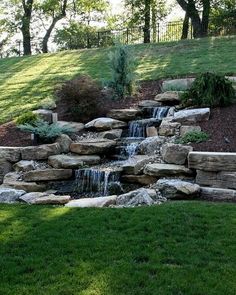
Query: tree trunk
x=185, y=29
x=25, y=28
x=154, y=21
x=147, y=22
x=205, y=17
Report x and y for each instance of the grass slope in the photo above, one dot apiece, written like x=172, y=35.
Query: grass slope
x=184, y=248
x=25, y=81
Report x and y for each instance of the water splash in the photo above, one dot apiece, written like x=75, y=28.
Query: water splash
x=136, y=129
x=131, y=149
x=160, y=112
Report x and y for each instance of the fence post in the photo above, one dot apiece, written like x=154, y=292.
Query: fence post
x=98, y=39
x=158, y=33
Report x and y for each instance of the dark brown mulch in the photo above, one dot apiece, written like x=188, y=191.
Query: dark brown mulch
x=10, y=135
x=222, y=130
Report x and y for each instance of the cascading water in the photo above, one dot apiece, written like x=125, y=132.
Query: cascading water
x=160, y=112
x=94, y=180
x=136, y=129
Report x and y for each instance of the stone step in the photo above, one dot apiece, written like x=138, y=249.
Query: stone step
x=103, y=124
x=208, y=161
x=123, y=114
x=44, y=199
x=92, y=146
x=93, y=202
x=167, y=170
x=73, y=161
x=218, y=194
x=192, y=115
x=47, y=175
x=222, y=179
x=136, y=164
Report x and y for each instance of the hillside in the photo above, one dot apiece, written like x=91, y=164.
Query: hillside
x=25, y=81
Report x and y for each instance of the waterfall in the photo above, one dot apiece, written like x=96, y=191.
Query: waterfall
x=93, y=180
x=131, y=149
x=160, y=112
x=136, y=129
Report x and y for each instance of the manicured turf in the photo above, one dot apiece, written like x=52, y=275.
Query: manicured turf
x=24, y=82
x=184, y=248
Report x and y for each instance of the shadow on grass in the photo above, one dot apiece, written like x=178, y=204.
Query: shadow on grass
x=177, y=248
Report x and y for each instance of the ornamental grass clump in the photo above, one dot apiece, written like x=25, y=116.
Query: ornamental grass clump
x=210, y=90
x=193, y=137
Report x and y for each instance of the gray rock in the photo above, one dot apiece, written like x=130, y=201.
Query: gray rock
x=168, y=170
x=123, y=114
x=218, y=194
x=73, y=161
x=136, y=164
x=177, y=189
x=111, y=134
x=186, y=129
x=140, y=179
x=41, y=152
x=45, y=115
x=168, y=128
x=64, y=142
x=75, y=125
x=45, y=199
x=168, y=97
x=92, y=146
x=149, y=104
x=5, y=167
x=24, y=166
x=208, y=161
x=10, y=195
x=150, y=145
x=192, y=115
x=221, y=179
x=137, y=197
x=151, y=131
x=10, y=154
x=93, y=202
x=175, y=153
x=102, y=124
x=47, y=175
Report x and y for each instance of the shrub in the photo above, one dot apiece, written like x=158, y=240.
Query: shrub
x=46, y=132
x=122, y=68
x=27, y=118
x=193, y=136
x=80, y=98
x=211, y=90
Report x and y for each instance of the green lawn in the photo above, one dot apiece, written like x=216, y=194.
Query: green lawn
x=184, y=248
x=25, y=81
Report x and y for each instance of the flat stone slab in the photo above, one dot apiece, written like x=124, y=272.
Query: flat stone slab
x=47, y=175
x=93, y=202
x=92, y=146
x=168, y=97
x=123, y=114
x=136, y=164
x=177, y=84
x=177, y=189
x=41, y=152
x=140, y=179
x=46, y=115
x=222, y=179
x=148, y=104
x=24, y=166
x=103, y=124
x=111, y=134
x=168, y=170
x=73, y=161
x=218, y=194
x=192, y=115
x=11, y=154
x=75, y=125
x=10, y=195
x=44, y=199
x=208, y=161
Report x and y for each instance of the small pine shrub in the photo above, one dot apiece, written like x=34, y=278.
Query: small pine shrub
x=193, y=136
x=80, y=98
x=46, y=133
x=122, y=69
x=211, y=90
x=27, y=118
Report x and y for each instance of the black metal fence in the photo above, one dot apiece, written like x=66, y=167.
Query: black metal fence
x=163, y=32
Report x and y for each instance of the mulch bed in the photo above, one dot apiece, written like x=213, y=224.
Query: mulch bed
x=221, y=127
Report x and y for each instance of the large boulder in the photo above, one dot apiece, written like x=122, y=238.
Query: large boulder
x=138, y=197
x=140, y=179
x=168, y=97
x=192, y=116
x=41, y=152
x=44, y=198
x=220, y=179
x=93, y=202
x=151, y=131
x=208, y=161
x=24, y=165
x=111, y=134
x=5, y=167
x=92, y=146
x=218, y=194
x=177, y=189
x=74, y=125
x=175, y=153
x=73, y=161
x=123, y=114
x=11, y=154
x=102, y=124
x=136, y=164
x=47, y=174
x=10, y=195
x=166, y=170
x=169, y=128
x=14, y=180
x=150, y=145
